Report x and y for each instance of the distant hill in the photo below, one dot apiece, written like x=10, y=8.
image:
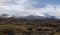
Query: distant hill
x=30, y=17
x=5, y=16
x=34, y=17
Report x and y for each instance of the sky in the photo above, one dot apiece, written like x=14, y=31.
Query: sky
x=30, y=7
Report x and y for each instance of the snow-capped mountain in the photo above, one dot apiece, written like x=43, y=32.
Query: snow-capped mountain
x=28, y=17
x=49, y=16
x=5, y=16
x=34, y=17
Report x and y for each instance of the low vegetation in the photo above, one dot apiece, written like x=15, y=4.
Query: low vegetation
x=29, y=27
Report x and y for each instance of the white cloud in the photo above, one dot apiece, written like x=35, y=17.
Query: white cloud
x=50, y=9
x=24, y=9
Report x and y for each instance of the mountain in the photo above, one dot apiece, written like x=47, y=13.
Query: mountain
x=49, y=16
x=30, y=17
x=34, y=17
x=5, y=16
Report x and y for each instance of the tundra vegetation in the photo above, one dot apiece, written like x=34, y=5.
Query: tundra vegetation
x=18, y=26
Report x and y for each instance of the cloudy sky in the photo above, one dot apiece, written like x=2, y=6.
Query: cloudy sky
x=28, y=7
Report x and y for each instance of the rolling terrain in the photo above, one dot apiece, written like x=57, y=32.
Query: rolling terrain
x=29, y=26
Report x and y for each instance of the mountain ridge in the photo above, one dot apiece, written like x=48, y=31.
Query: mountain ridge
x=28, y=17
